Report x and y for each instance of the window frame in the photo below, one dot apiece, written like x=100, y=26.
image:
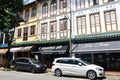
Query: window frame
x=95, y=25
x=80, y=28
x=25, y=34
x=53, y=7
x=63, y=6
x=63, y=28
x=19, y=32
x=44, y=31
x=111, y=22
x=27, y=14
x=53, y=33
x=34, y=11
x=32, y=30
x=45, y=10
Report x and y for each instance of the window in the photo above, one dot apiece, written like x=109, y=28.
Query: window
x=63, y=6
x=95, y=23
x=63, y=27
x=110, y=21
x=27, y=15
x=34, y=11
x=90, y=2
x=107, y=1
x=32, y=30
x=45, y=10
x=44, y=31
x=53, y=26
x=25, y=34
x=80, y=4
x=19, y=33
x=95, y=2
x=53, y=7
x=81, y=25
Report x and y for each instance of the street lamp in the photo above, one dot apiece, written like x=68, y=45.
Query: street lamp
x=70, y=35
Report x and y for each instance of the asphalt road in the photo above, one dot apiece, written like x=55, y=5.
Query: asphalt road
x=13, y=75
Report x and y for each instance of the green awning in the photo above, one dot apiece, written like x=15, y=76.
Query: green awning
x=40, y=42
x=100, y=36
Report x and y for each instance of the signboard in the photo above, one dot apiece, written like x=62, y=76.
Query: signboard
x=99, y=46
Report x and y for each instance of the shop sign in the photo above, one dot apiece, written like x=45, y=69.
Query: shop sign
x=99, y=46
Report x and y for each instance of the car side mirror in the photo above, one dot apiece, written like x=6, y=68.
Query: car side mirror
x=80, y=64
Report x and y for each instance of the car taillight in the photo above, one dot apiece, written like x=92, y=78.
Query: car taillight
x=53, y=64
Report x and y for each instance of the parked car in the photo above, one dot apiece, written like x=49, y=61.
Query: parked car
x=29, y=64
x=77, y=67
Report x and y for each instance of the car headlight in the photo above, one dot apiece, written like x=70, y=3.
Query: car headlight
x=37, y=66
x=99, y=69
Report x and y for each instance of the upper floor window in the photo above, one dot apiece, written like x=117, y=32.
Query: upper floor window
x=80, y=4
x=34, y=11
x=53, y=7
x=111, y=21
x=63, y=27
x=95, y=25
x=45, y=10
x=26, y=15
x=95, y=2
x=81, y=25
x=19, y=32
x=32, y=30
x=107, y=1
x=25, y=34
x=44, y=31
x=53, y=31
x=63, y=5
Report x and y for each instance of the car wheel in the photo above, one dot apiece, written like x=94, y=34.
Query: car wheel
x=91, y=74
x=58, y=72
x=33, y=70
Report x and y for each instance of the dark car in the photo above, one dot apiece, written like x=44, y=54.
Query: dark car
x=29, y=64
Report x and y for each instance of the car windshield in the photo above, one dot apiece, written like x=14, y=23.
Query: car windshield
x=85, y=62
x=35, y=61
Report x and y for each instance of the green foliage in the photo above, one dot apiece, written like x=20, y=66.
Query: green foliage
x=10, y=14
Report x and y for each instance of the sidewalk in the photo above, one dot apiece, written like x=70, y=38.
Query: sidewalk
x=112, y=73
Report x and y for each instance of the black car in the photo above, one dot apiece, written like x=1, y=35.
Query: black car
x=29, y=64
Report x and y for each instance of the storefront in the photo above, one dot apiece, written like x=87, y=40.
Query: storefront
x=49, y=53
x=2, y=53
x=22, y=51
x=105, y=54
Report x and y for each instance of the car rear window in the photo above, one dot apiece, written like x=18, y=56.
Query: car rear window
x=62, y=61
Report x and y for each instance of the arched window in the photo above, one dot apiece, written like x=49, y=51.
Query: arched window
x=63, y=6
x=26, y=15
x=45, y=10
x=53, y=7
x=34, y=11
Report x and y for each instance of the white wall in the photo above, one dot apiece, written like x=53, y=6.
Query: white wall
x=97, y=9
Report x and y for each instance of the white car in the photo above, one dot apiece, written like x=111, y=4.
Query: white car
x=75, y=66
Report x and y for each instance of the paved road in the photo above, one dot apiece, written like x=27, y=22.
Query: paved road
x=13, y=75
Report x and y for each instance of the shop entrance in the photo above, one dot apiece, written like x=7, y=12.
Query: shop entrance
x=113, y=61
x=109, y=61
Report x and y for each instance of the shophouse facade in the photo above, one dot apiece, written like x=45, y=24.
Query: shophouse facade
x=53, y=30
x=26, y=32
x=96, y=32
x=92, y=25
x=3, y=45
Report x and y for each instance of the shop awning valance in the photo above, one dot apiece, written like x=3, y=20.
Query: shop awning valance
x=3, y=51
x=98, y=36
x=96, y=47
x=52, y=49
x=21, y=49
